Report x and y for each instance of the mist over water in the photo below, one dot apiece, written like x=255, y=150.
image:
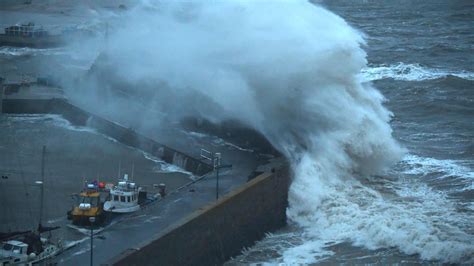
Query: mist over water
x=292, y=71
x=288, y=69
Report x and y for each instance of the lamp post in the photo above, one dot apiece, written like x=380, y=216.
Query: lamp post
x=40, y=184
x=92, y=221
x=217, y=164
x=215, y=159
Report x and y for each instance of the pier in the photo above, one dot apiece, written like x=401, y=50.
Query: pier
x=244, y=212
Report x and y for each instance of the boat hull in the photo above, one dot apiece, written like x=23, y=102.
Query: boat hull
x=110, y=207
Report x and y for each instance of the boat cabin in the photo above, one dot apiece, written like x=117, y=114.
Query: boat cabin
x=123, y=197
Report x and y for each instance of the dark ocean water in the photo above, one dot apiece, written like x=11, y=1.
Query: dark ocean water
x=421, y=57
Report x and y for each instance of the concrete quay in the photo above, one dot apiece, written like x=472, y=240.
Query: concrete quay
x=118, y=242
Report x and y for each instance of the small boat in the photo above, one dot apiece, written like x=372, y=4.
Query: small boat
x=125, y=197
x=89, y=203
x=30, y=250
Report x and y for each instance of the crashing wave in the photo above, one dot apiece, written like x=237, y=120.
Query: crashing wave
x=410, y=72
x=290, y=70
x=24, y=51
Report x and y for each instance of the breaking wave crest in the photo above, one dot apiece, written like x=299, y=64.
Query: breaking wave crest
x=290, y=70
x=415, y=221
x=410, y=72
x=423, y=165
x=13, y=51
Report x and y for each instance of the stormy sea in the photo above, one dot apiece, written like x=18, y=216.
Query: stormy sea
x=420, y=211
x=371, y=102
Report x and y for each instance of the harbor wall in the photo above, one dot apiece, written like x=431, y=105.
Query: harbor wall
x=127, y=136
x=213, y=235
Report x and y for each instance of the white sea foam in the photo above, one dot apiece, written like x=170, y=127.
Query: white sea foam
x=152, y=158
x=81, y=251
x=164, y=167
x=12, y=51
x=418, y=221
x=30, y=117
x=217, y=141
x=291, y=70
x=410, y=72
x=59, y=121
x=424, y=165
x=51, y=119
x=55, y=220
x=196, y=134
x=171, y=168
x=439, y=169
x=70, y=244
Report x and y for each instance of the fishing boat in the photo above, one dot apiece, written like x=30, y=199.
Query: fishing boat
x=88, y=203
x=125, y=197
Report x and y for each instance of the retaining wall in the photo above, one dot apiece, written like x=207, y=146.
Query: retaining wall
x=127, y=136
x=212, y=235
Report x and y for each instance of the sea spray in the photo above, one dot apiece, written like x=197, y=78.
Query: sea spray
x=290, y=70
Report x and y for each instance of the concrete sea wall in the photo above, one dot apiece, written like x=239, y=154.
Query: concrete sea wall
x=127, y=136
x=209, y=236
x=214, y=234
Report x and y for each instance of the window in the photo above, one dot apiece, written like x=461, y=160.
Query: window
x=17, y=249
x=116, y=198
x=128, y=199
x=122, y=198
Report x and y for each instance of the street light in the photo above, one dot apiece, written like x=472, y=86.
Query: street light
x=215, y=159
x=92, y=221
x=40, y=184
x=217, y=164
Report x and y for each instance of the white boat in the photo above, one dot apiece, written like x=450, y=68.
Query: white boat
x=15, y=252
x=123, y=197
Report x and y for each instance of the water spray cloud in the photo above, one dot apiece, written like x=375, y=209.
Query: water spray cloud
x=288, y=69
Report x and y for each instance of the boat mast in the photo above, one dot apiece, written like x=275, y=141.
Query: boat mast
x=42, y=189
x=119, y=168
